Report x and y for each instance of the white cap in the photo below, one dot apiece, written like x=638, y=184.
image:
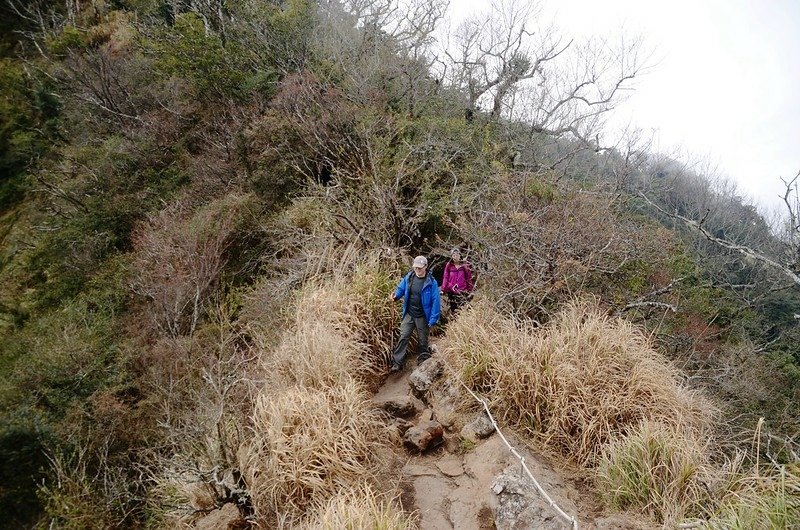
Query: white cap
x=420, y=262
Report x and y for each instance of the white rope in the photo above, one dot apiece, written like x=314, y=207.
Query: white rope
x=570, y=519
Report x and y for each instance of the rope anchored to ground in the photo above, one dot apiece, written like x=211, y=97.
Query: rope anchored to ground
x=561, y=513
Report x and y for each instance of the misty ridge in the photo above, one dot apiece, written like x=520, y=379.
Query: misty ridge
x=205, y=206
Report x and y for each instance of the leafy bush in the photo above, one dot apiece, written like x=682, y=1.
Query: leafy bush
x=23, y=436
x=70, y=38
x=27, y=116
x=189, y=52
x=60, y=358
x=51, y=367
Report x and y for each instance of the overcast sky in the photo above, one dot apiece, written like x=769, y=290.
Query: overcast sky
x=725, y=86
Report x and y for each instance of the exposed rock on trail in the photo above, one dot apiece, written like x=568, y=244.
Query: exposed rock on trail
x=478, y=429
x=467, y=479
x=427, y=433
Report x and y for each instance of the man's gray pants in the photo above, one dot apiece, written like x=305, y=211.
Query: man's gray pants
x=406, y=327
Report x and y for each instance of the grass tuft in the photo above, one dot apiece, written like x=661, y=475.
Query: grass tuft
x=321, y=349
x=764, y=498
x=657, y=470
x=359, y=508
x=341, y=328
x=308, y=444
x=577, y=383
x=314, y=429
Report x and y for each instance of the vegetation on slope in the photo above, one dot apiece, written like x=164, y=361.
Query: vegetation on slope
x=183, y=181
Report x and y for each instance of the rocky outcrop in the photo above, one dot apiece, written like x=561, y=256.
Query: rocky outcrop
x=399, y=406
x=450, y=484
x=422, y=379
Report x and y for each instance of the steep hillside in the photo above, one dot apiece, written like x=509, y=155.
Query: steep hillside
x=205, y=204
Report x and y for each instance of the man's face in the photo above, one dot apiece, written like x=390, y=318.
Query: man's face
x=420, y=271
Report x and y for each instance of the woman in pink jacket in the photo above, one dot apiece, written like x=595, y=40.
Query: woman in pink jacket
x=457, y=281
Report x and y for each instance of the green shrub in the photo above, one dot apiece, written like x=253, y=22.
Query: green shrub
x=70, y=38
x=61, y=357
x=49, y=367
x=23, y=437
x=540, y=190
x=187, y=51
x=27, y=114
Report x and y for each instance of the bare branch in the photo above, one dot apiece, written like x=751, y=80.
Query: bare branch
x=744, y=250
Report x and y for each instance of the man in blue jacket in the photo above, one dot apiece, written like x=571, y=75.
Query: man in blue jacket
x=421, y=310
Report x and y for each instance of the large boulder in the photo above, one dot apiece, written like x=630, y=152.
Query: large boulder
x=398, y=406
x=478, y=429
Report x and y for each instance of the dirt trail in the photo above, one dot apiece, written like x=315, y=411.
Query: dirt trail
x=480, y=485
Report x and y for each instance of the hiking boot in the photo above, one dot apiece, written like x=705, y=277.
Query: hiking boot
x=422, y=358
x=395, y=368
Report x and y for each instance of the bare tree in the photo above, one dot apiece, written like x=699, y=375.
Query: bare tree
x=576, y=93
x=409, y=23
x=539, y=244
x=556, y=85
x=489, y=56
x=42, y=15
x=203, y=393
x=179, y=257
x=789, y=230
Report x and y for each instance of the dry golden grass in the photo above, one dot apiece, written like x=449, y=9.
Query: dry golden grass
x=360, y=508
x=314, y=431
x=764, y=497
x=309, y=443
x=576, y=384
x=178, y=499
x=656, y=470
x=371, y=315
x=341, y=326
x=321, y=349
